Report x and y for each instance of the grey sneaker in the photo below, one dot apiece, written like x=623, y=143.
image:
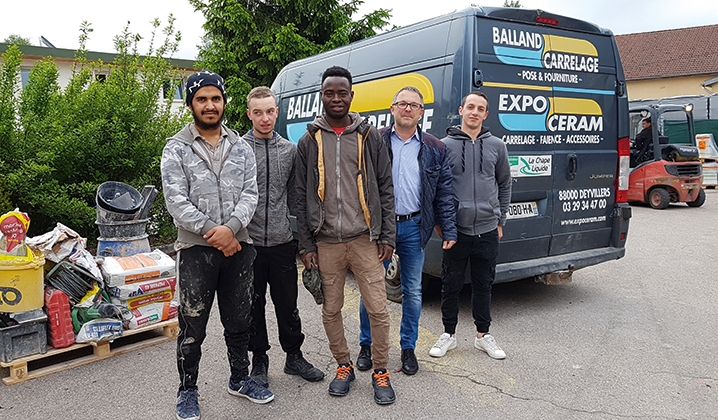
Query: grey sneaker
x=445, y=343
x=488, y=345
x=250, y=390
x=187, y=405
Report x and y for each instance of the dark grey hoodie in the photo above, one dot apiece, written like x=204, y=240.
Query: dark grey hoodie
x=275, y=157
x=482, y=180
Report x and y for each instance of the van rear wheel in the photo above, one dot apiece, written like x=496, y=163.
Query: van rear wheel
x=659, y=198
x=699, y=200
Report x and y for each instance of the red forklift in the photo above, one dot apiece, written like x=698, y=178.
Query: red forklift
x=667, y=169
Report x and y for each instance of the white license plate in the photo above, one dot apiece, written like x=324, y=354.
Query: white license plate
x=522, y=210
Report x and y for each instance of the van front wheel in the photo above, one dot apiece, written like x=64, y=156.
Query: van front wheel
x=699, y=200
x=659, y=198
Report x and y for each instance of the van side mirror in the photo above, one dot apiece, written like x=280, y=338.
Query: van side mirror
x=662, y=140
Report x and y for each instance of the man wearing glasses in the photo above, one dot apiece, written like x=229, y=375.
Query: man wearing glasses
x=423, y=197
x=345, y=220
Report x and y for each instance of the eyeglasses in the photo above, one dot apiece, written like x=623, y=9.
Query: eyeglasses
x=403, y=105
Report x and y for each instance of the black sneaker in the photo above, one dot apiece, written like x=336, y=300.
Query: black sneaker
x=364, y=359
x=342, y=382
x=409, y=364
x=297, y=365
x=260, y=366
x=383, y=392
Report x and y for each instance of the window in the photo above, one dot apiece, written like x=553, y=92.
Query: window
x=173, y=90
x=25, y=76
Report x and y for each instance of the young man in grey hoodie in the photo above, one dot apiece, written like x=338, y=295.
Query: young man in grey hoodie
x=271, y=232
x=482, y=194
x=210, y=188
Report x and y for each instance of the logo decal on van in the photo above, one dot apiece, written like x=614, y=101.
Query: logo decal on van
x=538, y=113
x=530, y=166
x=531, y=49
x=372, y=100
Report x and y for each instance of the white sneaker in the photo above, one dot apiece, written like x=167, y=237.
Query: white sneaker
x=445, y=343
x=488, y=344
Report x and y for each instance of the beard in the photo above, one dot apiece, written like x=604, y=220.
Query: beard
x=205, y=126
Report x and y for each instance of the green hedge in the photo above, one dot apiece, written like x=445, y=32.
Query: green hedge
x=57, y=145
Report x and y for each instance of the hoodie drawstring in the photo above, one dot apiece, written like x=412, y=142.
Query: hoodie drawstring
x=463, y=157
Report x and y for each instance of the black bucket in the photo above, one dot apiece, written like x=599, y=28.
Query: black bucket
x=118, y=197
x=122, y=229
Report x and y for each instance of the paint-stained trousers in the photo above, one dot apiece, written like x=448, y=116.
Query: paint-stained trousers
x=361, y=256
x=203, y=272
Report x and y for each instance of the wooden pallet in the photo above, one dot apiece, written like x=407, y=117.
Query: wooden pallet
x=56, y=360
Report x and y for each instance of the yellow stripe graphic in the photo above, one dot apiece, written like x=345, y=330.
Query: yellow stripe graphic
x=376, y=95
x=569, y=45
x=575, y=106
x=518, y=86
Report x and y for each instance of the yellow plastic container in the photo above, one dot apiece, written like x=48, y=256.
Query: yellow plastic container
x=21, y=282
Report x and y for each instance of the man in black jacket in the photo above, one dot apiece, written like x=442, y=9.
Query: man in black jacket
x=644, y=142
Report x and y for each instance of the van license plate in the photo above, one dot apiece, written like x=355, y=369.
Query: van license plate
x=522, y=210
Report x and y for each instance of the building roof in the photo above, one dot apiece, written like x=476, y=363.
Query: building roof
x=31, y=51
x=670, y=53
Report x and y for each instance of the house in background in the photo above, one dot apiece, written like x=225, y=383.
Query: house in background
x=670, y=63
x=65, y=58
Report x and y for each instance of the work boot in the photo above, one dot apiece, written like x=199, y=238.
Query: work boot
x=383, y=392
x=296, y=364
x=409, y=364
x=342, y=381
x=260, y=367
x=364, y=359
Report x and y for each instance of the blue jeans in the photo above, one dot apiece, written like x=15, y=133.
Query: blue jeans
x=411, y=260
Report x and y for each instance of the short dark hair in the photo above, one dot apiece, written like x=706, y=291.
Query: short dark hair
x=338, y=72
x=477, y=93
x=647, y=119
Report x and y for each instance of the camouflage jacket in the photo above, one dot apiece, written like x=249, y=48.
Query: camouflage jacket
x=199, y=200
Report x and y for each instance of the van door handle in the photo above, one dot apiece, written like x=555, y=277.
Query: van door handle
x=478, y=78
x=572, y=167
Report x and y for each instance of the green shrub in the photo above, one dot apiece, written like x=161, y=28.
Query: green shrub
x=57, y=145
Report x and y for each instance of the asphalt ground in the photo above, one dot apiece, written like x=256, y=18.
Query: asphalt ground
x=628, y=339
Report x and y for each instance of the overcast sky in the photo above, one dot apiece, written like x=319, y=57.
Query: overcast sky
x=59, y=20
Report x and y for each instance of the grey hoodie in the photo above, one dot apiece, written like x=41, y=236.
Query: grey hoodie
x=199, y=200
x=482, y=180
x=275, y=157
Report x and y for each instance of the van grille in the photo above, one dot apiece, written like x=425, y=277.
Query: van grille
x=684, y=170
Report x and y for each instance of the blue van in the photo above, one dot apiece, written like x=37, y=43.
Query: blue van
x=557, y=97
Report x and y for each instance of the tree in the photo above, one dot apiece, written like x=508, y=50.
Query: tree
x=57, y=145
x=17, y=40
x=512, y=3
x=249, y=41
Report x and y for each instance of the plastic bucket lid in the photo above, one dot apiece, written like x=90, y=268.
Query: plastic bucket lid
x=118, y=197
